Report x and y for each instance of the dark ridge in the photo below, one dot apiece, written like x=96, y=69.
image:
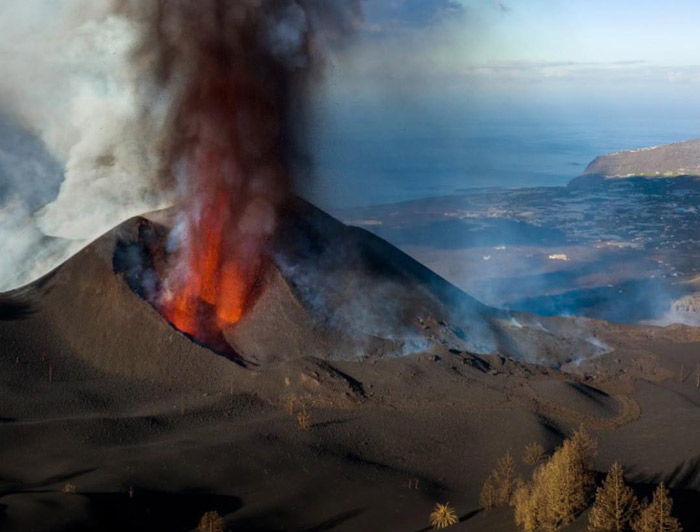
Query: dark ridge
x=13, y=308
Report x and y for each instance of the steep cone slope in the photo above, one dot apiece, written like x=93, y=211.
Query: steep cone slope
x=332, y=292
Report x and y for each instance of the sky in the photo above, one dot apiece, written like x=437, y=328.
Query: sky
x=430, y=97
x=434, y=96
x=484, y=42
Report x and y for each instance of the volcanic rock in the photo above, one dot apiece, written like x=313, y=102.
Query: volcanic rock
x=332, y=292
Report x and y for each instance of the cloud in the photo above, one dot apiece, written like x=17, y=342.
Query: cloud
x=392, y=18
x=613, y=71
x=501, y=6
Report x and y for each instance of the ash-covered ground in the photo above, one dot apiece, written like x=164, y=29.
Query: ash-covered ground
x=623, y=250
x=111, y=419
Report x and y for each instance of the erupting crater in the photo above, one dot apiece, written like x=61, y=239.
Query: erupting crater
x=231, y=179
x=202, y=290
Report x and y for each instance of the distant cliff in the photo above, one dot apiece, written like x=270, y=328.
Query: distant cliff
x=670, y=160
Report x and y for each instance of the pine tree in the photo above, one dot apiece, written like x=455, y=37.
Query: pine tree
x=656, y=517
x=211, y=522
x=534, y=454
x=524, y=506
x=559, y=487
x=500, y=484
x=615, y=504
x=642, y=521
x=504, y=478
x=489, y=494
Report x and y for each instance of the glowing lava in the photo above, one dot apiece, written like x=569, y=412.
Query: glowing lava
x=231, y=187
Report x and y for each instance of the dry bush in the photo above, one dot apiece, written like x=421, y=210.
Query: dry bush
x=443, y=516
x=303, y=418
x=534, y=454
x=559, y=487
x=656, y=517
x=615, y=504
x=299, y=409
x=500, y=485
x=290, y=405
x=69, y=488
x=211, y=522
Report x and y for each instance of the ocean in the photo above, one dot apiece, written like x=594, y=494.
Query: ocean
x=374, y=152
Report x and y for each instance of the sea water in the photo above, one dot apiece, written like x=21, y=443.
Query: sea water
x=373, y=152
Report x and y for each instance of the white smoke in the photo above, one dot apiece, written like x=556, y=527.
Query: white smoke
x=68, y=79
x=99, y=83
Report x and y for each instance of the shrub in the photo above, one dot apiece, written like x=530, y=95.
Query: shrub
x=303, y=418
x=300, y=411
x=291, y=405
x=443, y=516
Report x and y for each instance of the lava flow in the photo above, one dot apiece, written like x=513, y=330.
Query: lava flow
x=232, y=187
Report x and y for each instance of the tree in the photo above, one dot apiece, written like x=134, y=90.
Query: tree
x=504, y=478
x=585, y=447
x=559, y=487
x=615, y=504
x=443, y=515
x=534, y=454
x=642, y=521
x=489, y=494
x=656, y=517
x=524, y=506
x=500, y=484
x=211, y=522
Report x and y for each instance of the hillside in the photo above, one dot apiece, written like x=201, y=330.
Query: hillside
x=151, y=429
x=670, y=160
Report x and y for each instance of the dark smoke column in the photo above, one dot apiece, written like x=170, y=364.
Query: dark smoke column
x=236, y=74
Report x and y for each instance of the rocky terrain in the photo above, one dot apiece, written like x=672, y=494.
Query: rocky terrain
x=111, y=419
x=621, y=250
x=670, y=160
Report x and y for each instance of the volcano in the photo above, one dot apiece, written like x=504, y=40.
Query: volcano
x=409, y=382
x=331, y=291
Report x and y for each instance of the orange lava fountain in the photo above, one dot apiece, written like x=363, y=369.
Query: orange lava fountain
x=232, y=186
x=235, y=77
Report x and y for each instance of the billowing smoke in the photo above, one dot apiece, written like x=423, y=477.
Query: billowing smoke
x=235, y=76
x=149, y=104
x=68, y=80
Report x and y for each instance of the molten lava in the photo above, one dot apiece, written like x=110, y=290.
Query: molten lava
x=217, y=279
x=231, y=181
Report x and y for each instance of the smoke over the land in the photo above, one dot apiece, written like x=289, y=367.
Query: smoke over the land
x=124, y=95
x=236, y=76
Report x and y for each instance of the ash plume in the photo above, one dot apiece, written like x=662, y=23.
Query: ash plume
x=125, y=94
x=235, y=76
